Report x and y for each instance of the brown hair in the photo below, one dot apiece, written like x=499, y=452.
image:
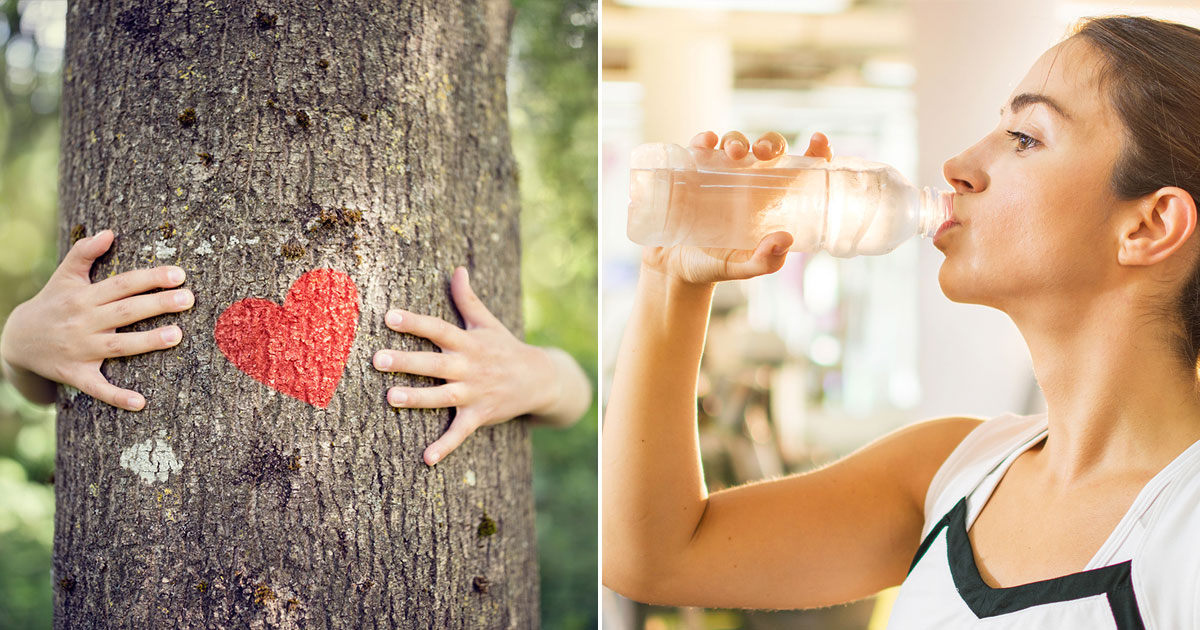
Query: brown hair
x=1152, y=73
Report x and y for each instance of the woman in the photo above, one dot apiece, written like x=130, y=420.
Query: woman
x=1076, y=218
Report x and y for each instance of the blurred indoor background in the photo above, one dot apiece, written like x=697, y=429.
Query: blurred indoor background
x=552, y=107
x=805, y=365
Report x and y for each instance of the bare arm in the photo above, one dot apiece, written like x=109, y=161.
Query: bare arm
x=32, y=386
x=828, y=536
x=653, y=490
x=571, y=391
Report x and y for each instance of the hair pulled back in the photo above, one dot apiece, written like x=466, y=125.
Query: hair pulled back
x=1152, y=78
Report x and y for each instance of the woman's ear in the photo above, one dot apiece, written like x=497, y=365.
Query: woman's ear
x=1164, y=221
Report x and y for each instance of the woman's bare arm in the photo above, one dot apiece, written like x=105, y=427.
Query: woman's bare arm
x=828, y=536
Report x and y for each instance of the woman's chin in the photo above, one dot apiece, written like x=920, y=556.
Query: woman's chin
x=956, y=286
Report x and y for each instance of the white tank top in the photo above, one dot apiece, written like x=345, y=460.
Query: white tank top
x=1145, y=576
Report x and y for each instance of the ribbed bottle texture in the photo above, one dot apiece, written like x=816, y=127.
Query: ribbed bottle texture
x=847, y=206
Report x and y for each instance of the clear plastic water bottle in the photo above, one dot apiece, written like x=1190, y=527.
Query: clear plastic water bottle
x=847, y=206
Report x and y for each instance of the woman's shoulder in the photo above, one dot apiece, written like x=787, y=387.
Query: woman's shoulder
x=997, y=437
x=987, y=444
x=1166, y=564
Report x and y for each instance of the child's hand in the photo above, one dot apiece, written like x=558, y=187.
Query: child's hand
x=65, y=332
x=491, y=376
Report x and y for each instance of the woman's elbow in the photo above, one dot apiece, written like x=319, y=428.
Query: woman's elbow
x=634, y=575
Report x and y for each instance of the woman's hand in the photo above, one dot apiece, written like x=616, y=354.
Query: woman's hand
x=491, y=376
x=65, y=332
x=704, y=265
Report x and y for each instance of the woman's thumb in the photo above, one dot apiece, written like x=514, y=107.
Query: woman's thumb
x=769, y=256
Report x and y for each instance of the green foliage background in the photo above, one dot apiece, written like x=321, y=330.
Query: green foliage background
x=552, y=105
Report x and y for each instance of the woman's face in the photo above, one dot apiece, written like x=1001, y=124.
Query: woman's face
x=1034, y=200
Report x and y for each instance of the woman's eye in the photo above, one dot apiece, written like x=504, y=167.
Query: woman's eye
x=1023, y=141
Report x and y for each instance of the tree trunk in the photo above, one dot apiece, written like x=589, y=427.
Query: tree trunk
x=353, y=153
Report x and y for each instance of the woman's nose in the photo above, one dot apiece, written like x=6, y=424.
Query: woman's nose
x=965, y=173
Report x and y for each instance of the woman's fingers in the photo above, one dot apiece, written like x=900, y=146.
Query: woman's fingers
x=705, y=140
x=135, y=309
x=435, y=329
x=818, y=146
x=137, y=281
x=130, y=343
x=474, y=313
x=78, y=261
x=98, y=387
x=435, y=364
x=767, y=258
x=735, y=145
x=462, y=426
x=439, y=397
x=770, y=146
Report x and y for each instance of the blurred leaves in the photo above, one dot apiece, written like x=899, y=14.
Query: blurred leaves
x=31, y=53
x=30, y=63
x=26, y=510
x=552, y=85
x=26, y=536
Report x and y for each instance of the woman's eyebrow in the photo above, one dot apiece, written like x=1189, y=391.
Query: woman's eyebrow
x=1025, y=99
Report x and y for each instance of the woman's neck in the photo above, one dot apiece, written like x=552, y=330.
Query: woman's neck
x=1118, y=401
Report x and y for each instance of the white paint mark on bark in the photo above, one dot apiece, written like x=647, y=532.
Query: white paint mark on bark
x=162, y=250
x=204, y=249
x=151, y=460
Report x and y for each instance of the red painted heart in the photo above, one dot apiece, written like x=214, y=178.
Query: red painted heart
x=299, y=348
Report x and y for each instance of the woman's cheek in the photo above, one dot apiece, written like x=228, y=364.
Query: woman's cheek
x=995, y=253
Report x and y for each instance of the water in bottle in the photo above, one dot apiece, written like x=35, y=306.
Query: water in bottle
x=847, y=206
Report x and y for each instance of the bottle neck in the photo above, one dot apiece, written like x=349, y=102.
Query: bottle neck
x=937, y=207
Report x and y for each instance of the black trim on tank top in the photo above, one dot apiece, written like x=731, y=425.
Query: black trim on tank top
x=1113, y=581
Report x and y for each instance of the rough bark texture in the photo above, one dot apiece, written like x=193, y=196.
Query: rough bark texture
x=250, y=143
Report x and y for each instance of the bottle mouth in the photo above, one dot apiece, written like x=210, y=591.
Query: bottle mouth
x=937, y=207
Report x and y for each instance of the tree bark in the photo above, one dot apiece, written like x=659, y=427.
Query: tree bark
x=265, y=485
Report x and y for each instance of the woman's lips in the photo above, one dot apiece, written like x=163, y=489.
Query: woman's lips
x=943, y=228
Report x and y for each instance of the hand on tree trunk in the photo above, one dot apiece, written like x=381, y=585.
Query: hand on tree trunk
x=65, y=332
x=490, y=375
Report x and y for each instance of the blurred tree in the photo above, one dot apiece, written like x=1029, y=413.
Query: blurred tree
x=31, y=48
x=31, y=35
x=553, y=78
x=267, y=149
